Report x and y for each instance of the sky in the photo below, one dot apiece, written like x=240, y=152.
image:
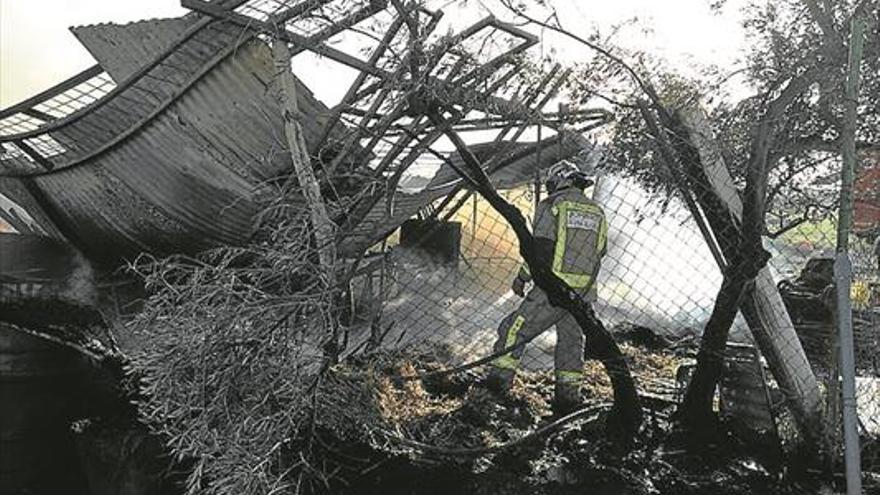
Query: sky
x=37, y=50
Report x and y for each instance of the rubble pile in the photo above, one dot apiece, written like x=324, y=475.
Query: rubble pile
x=451, y=434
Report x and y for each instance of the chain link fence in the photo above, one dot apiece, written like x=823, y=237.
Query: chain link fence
x=447, y=284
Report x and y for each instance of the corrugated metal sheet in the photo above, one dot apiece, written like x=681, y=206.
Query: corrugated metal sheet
x=187, y=178
x=379, y=222
x=139, y=41
x=744, y=395
x=172, y=159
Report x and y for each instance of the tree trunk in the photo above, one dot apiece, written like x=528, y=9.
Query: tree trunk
x=762, y=305
x=299, y=155
x=742, y=250
x=322, y=227
x=696, y=410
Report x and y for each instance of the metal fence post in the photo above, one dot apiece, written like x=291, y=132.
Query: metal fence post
x=843, y=276
x=843, y=265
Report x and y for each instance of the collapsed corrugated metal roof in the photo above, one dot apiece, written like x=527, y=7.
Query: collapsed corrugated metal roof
x=141, y=41
x=166, y=145
x=173, y=158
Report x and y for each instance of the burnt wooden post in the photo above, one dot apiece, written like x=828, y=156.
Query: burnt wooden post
x=322, y=227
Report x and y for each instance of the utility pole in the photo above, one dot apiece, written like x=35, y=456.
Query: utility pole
x=842, y=263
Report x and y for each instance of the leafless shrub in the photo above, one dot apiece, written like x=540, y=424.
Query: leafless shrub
x=230, y=356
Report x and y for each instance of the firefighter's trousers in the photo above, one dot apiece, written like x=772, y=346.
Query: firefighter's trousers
x=534, y=316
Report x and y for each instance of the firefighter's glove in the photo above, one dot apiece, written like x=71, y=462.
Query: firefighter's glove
x=519, y=286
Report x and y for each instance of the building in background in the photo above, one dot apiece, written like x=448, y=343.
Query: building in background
x=866, y=213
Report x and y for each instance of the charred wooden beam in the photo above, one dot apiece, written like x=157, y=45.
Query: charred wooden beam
x=315, y=45
x=34, y=155
x=297, y=10
x=351, y=94
x=552, y=119
x=302, y=43
x=352, y=19
x=33, y=112
x=495, y=163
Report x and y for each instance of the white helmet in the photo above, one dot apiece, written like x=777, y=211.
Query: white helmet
x=566, y=174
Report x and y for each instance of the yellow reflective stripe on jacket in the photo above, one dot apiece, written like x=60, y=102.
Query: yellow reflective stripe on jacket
x=569, y=376
x=513, y=330
x=575, y=280
x=507, y=361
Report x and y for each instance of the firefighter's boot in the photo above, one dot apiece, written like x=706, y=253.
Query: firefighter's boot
x=566, y=398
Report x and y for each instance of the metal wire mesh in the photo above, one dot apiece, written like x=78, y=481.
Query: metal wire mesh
x=59, y=105
x=658, y=274
x=77, y=97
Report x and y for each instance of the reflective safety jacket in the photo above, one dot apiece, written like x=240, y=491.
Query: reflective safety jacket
x=571, y=229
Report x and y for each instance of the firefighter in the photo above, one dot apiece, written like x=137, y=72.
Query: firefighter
x=569, y=229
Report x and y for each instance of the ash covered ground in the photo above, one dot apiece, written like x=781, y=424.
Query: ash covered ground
x=449, y=434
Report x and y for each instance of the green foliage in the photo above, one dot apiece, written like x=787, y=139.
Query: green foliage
x=785, y=41
x=820, y=235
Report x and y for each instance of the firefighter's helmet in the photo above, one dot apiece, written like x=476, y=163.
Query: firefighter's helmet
x=566, y=174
